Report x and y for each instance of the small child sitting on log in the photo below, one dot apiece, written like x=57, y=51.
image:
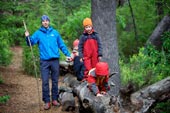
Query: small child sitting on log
x=75, y=49
x=77, y=65
x=98, y=79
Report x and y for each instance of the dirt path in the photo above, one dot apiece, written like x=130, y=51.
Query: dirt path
x=21, y=88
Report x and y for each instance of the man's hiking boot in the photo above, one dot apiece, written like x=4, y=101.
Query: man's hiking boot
x=47, y=106
x=55, y=103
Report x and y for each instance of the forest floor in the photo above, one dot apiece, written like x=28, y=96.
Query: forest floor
x=22, y=89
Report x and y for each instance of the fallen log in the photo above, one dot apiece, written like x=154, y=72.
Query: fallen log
x=92, y=104
x=88, y=102
x=66, y=99
x=145, y=98
x=138, y=102
x=66, y=67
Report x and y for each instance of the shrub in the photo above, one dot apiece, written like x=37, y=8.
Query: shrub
x=5, y=52
x=148, y=66
x=145, y=19
x=162, y=107
x=73, y=27
x=4, y=99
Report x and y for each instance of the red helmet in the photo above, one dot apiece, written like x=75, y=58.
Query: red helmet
x=75, y=43
x=102, y=69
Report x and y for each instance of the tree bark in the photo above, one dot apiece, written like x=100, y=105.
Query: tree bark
x=66, y=96
x=142, y=100
x=155, y=38
x=104, y=22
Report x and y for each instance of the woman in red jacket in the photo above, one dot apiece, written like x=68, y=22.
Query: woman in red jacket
x=98, y=79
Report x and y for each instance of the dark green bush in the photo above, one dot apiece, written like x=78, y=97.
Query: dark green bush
x=145, y=19
x=148, y=66
x=5, y=52
x=4, y=99
x=162, y=107
x=73, y=27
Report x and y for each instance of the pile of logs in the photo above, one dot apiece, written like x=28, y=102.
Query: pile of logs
x=137, y=102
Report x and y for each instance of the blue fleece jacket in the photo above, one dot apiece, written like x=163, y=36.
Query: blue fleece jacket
x=49, y=42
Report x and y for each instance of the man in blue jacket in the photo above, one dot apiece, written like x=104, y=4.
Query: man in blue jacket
x=49, y=42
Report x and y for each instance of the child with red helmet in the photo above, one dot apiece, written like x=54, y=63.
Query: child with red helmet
x=75, y=49
x=77, y=65
x=98, y=79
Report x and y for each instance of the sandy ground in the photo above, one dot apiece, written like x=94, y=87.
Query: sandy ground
x=22, y=89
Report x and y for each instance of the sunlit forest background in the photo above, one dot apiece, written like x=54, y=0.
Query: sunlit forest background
x=139, y=64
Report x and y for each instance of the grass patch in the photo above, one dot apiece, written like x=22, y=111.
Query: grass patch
x=4, y=99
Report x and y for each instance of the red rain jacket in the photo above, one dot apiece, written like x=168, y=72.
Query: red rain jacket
x=90, y=48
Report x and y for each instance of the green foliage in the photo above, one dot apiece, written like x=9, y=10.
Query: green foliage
x=148, y=66
x=145, y=19
x=73, y=27
x=11, y=20
x=4, y=99
x=166, y=40
x=163, y=7
x=162, y=107
x=5, y=52
x=121, y=19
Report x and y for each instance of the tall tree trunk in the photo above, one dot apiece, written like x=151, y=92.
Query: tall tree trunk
x=104, y=21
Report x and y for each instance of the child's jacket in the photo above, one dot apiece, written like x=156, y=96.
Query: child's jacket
x=89, y=45
x=90, y=49
x=96, y=85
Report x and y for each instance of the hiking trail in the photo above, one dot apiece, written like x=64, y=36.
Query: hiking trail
x=21, y=88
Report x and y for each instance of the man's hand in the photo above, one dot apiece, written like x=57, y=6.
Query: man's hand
x=27, y=33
